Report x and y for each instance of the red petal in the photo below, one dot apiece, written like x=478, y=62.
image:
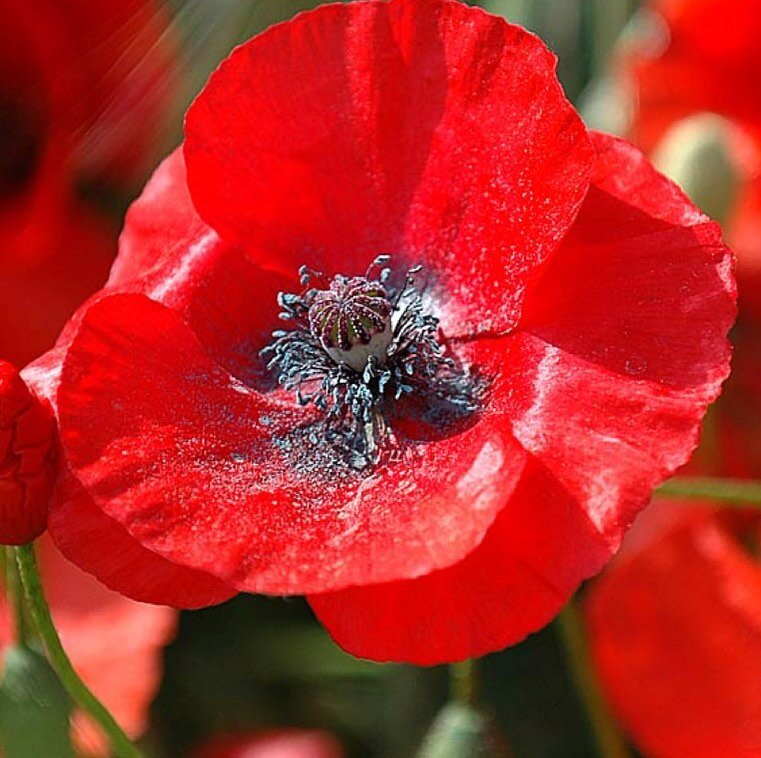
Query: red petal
x=207, y=473
x=676, y=636
x=169, y=254
x=530, y=562
x=623, y=346
x=425, y=129
x=624, y=341
x=103, y=548
x=705, y=27
x=101, y=75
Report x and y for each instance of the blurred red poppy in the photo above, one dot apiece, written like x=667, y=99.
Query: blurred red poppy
x=83, y=87
x=675, y=627
x=703, y=56
x=473, y=438
x=281, y=743
x=114, y=643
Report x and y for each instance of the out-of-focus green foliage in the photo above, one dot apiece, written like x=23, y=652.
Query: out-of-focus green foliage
x=256, y=662
x=34, y=708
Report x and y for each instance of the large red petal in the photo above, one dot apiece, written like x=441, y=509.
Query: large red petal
x=530, y=562
x=624, y=341
x=207, y=473
x=623, y=345
x=98, y=544
x=675, y=630
x=426, y=129
x=103, y=548
x=169, y=254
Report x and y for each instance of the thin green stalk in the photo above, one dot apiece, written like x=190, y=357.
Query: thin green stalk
x=610, y=744
x=77, y=689
x=463, y=679
x=740, y=492
x=15, y=593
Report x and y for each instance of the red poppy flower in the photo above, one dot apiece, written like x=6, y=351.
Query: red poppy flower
x=475, y=436
x=675, y=626
x=702, y=56
x=114, y=643
x=283, y=743
x=83, y=86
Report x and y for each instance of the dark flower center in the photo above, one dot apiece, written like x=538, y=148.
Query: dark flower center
x=359, y=346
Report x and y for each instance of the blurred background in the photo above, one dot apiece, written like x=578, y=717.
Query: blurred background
x=672, y=649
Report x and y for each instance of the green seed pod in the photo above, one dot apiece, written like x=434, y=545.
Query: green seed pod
x=462, y=731
x=696, y=154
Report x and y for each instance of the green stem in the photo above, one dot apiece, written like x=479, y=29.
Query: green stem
x=610, y=744
x=77, y=689
x=746, y=493
x=464, y=682
x=15, y=593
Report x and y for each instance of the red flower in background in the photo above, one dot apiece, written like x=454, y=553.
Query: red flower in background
x=675, y=627
x=481, y=434
x=283, y=743
x=83, y=88
x=703, y=56
x=114, y=643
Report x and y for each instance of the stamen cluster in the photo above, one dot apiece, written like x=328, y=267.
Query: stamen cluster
x=358, y=346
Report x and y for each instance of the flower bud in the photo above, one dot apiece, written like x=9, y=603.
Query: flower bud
x=27, y=470
x=462, y=731
x=697, y=154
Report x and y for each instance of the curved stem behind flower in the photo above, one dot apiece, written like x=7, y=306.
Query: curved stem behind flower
x=740, y=492
x=77, y=689
x=610, y=744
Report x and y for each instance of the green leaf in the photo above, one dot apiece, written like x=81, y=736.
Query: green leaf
x=34, y=708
